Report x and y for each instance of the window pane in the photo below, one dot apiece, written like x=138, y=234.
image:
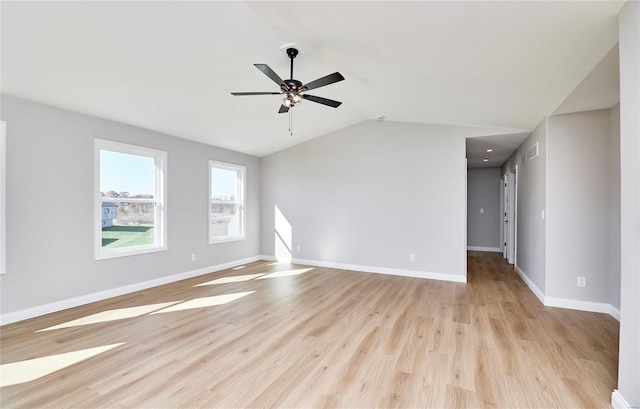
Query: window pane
x=126, y=176
x=226, y=212
x=224, y=184
x=127, y=224
x=225, y=220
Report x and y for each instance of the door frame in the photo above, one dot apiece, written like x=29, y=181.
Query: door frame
x=511, y=211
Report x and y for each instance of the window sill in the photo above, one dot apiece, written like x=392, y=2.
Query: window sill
x=125, y=252
x=226, y=240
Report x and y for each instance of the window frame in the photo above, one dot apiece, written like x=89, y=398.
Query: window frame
x=240, y=200
x=3, y=197
x=160, y=200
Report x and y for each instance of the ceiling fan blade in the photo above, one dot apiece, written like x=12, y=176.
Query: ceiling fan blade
x=255, y=93
x=323, y=101
x=326, y=80
x=283, y=109
x=271, y=74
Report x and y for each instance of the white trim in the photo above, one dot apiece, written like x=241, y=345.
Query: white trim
x=39, y=310
x=579, y=305
x=160, y=200
x=383, y=270
x=531, y=284
x=241, y=172
x=227, y=240
x=490, y=249
x=268, y=258
x=503, y=226
x=614, y=312
x=515, y=216
x=465, y=216
x=3, y=196
x=618, y=401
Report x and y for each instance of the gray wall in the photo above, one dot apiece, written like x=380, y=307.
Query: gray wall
x=578, y=203
x=483, y=192
x=531, y=192
x=629, y=367
x=50, y=226
x=613, y=193
x=370, y=195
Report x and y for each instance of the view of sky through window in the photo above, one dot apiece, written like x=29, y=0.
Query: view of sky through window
x=223, y=182
x=123, y=172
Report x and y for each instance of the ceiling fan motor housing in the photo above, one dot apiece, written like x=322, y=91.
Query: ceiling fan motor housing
x=293, y=85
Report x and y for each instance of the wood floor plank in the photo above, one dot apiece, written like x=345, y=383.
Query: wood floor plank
x=281, y=335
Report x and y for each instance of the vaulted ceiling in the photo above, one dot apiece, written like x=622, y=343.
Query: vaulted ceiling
x=500, y=66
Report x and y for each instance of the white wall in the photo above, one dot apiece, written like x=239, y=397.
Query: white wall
x=371, y=195
x=613, y=193
x=50, y=225
x=578, y=203
x=629, y=358
x=531, y=200
x=483, y=192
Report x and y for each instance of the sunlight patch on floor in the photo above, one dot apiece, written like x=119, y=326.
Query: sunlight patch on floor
x=234, y=279
x=26, y=371
x=205, y=302
x=112, y=315
x=285, y=273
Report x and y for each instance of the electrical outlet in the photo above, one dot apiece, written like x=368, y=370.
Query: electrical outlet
x=298, y=247
x=582, y=281
x=412, y=257
x=481, y=211
x=193, y=257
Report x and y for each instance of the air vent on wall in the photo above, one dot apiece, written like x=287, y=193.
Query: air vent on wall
x=530, y=154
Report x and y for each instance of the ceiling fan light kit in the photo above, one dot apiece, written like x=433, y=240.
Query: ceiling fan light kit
x=294, y=90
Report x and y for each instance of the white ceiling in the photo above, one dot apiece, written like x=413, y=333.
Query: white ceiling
x=599, y=89
x=501, y=146
x=170, y=66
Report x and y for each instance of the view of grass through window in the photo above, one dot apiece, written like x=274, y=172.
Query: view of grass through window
x=127, y=186
x=226, y=211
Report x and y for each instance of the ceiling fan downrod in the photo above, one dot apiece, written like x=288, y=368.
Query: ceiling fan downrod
x=292, y=53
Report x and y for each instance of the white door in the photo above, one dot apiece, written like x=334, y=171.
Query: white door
x=505, y=219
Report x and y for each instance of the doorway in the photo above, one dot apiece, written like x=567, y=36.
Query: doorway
x=510, y=206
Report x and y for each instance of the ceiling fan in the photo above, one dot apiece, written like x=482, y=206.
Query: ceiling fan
x=293, y=90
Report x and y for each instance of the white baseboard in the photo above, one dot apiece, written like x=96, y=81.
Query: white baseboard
x=39, y=310
x=268, y=258
x=580, y=305
x=490, y=249
x=538, y=292
x=384, y=270
x=614, y=312
x=618, y=401
x=568, y=303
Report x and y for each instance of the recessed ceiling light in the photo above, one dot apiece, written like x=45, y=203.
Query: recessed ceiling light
x=485, y=160
x=381, y=117
x=489, y=150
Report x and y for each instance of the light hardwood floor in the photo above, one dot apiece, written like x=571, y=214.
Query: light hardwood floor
x=316, y=338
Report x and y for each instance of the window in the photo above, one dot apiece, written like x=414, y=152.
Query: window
x=226, y=202
x=130, y=211
x=3, y=196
